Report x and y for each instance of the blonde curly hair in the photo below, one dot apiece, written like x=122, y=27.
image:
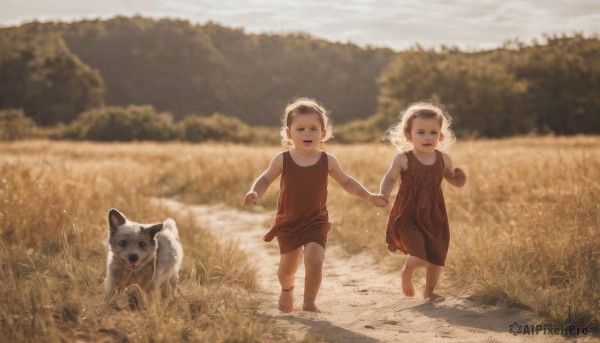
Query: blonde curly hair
x=304, y=106
x=397, y=133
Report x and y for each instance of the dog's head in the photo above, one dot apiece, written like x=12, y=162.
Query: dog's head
x=132, y=243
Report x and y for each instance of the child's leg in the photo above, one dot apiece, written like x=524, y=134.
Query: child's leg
x=431, y=280
x=410, y=265
x=314, y=255
x=288, y=265
x=415, y=240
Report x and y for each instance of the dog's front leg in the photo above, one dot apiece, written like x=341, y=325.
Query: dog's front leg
x=114, y=273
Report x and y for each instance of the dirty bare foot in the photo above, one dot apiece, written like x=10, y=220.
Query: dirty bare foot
x=407, y=284
x=286, y=300
x=433, y=296
x=310, y=308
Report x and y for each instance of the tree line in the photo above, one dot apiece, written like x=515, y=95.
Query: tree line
x=549, y=87
x=137, y=123
x=59, y=74
x=189, y=69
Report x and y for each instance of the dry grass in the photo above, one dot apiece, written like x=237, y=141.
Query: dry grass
x=525, y=230
x=54, y=199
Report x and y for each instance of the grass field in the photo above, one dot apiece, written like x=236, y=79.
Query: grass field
x=525, y=231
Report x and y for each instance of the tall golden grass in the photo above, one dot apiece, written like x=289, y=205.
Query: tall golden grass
x=54, y=199
x=525, y=231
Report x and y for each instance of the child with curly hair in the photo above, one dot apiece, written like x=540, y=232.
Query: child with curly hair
x=302, y=220
x=418, y=222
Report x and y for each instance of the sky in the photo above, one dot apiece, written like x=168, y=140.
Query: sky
x=398, y=24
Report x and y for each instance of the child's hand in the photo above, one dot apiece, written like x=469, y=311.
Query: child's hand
x=251, y=198
x=378, y=200
x=459, y=177
x=456, y=177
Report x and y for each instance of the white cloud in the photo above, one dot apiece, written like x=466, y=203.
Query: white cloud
x=395, y=23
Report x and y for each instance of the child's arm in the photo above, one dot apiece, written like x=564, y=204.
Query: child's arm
x=455, y=176
x=259, y=187
x=352, y=186
x=399, y=163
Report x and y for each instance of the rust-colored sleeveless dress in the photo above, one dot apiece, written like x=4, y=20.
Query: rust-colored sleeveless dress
x=418, y=222
x=302, y=215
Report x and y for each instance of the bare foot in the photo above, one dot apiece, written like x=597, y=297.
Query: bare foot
x=310, y=308
x=286, y=300
x=433, y=296
x=407, y=285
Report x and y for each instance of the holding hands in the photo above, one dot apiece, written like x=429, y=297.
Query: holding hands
x=378, y=200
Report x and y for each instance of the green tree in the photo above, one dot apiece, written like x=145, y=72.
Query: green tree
x=124, y=124
x=216, y=128
x=563, y=77
x=39, y=74
x=15, y=125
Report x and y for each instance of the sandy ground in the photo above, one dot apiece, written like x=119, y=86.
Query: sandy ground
x=360, y=302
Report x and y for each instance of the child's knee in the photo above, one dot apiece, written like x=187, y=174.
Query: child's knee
x=314, y=262
x=285, y=273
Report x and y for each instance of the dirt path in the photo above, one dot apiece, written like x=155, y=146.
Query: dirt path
x=360, y=302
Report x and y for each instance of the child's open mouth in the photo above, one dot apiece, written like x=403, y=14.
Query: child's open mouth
x=307, y=141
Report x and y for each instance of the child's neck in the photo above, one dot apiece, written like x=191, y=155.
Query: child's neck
x=305, y=158
x=305, y=153
x=425, y=157
x=423, y=153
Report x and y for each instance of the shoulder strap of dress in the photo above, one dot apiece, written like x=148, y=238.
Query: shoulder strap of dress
x=325, y=160
x=287, y=158
x=440, y=160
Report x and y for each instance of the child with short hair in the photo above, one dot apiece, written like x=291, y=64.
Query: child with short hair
x=418, y=222
x=302, y=223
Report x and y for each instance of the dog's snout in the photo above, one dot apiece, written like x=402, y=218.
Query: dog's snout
x=132, y=257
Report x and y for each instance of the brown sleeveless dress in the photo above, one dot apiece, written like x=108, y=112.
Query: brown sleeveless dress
x=302, y=215
x=418, y=222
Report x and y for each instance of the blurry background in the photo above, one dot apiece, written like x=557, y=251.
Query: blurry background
x=200, y=70
x=525, y=227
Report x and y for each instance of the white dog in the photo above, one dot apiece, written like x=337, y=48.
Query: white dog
x=148, y=255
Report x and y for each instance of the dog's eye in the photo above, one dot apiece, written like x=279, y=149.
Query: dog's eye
x=122, y=243
x=142, y=244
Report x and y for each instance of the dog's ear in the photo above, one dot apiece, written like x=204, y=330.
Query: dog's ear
x=154, y=229
x=115, y=219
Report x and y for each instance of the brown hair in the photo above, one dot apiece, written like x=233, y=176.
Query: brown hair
x=304, y=106
x=397, y=133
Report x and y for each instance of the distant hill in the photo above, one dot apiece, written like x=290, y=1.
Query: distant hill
x=113, y=69
x=202, y=69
